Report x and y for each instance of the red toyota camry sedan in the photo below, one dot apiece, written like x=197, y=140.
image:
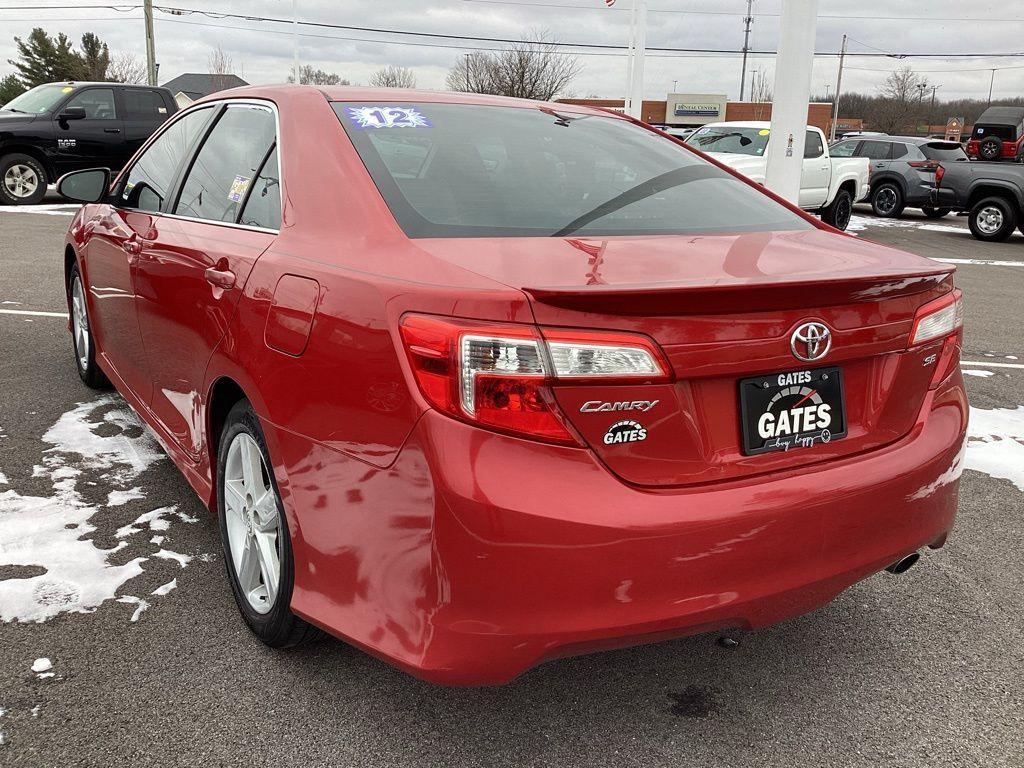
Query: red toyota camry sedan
x=474, y=382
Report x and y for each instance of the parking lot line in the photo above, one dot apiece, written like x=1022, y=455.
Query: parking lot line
x=32, y=313
x=986, y=262
x=992, y=365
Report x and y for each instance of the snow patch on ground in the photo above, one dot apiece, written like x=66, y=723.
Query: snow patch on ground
x=982, y=374
x=100, y=440
x=860, y=223
x=995, y=443
x=42, y=665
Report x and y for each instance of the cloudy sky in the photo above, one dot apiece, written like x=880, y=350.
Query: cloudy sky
x=262, y=51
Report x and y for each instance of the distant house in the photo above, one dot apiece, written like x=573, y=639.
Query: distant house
x=193, y=85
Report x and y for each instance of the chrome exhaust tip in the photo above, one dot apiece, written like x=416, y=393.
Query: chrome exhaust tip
x=905, y=564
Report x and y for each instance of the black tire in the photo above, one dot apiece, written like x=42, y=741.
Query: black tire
x=839, y=211
x=85, y=359
x=990, y=148
x=935, y=213
x=278, y=627
x=887, y=200
x=992, y=219
x=23, y=180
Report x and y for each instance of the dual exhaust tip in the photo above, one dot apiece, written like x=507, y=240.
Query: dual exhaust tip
x=904, y=564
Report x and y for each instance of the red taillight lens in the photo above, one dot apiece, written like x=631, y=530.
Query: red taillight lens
x=942, y=318
x=939, y=173
x=499, y=375
x=924, y=165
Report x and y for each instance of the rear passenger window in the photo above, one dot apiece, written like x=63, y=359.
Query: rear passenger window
x=141, y=104
x=812, y=145
x=263, y=206
x=149, y=180
x=228, y=163
x=898, y=151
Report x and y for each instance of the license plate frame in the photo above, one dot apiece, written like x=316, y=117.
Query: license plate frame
x=756, y=399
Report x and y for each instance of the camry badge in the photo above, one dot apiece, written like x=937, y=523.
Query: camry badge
x=811, y=341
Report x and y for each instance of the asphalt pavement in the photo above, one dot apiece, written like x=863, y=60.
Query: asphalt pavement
x=926, y=669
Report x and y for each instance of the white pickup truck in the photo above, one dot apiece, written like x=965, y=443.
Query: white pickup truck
x=829, y=186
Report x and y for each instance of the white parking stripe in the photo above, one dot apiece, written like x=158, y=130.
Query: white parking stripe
x=32, y=313
x=987, y=364
x=987, y=262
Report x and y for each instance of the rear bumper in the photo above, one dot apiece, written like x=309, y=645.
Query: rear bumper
x=943, y=198
x=483, y=555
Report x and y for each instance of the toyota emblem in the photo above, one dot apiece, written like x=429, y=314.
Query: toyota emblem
x=810, y=341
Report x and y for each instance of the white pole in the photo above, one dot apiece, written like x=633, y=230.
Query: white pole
x=839, y=85
x=295, y=41
x=792, y=95
x=636, y=90
x=630, y=54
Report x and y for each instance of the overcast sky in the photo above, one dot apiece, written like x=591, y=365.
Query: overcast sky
x=262, y=52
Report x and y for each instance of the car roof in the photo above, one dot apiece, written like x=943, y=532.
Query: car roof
x=106, y=84
x=1002, y=115
x=402, y=96
x=740, y=124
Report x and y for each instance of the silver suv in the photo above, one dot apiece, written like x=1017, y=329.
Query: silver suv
x=902, y=170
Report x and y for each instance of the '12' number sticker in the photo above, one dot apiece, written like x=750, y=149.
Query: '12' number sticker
x=387, y=117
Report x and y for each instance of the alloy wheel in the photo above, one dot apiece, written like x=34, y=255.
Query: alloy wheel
x=253, y=523
x=844, y=214
x=80, y=323
x=990, y=219
x=21, y=180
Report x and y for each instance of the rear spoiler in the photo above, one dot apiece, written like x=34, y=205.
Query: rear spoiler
x=759, y=297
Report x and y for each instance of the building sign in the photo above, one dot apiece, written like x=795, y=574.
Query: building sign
x=954, y=128
x=696, y=110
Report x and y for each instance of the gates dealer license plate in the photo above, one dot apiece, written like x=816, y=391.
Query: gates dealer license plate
x=796, y=409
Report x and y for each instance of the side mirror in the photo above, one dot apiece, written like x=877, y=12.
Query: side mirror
x=88, y=186
x=72, y=113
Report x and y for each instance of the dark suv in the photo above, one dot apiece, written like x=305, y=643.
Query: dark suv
x=902, y=170
x=60, y=127
x=998, y=134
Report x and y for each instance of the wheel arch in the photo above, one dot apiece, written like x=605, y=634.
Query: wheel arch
x=35, y=153
x=984, y=189
x=890, y=178
x=224, y=393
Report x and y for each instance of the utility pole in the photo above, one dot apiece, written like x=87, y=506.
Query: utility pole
x=839, y=83
x=150, y=44
x=746, y=45
x=931, y=110
x=991, y=82
x=295, y=42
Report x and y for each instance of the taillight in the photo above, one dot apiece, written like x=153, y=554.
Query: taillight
x=924, y=165
x=942, y=318
x=939, y=173
x=500, y=376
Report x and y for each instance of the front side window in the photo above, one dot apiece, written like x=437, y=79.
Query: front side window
x=227, y=164
x=457, y=170
x=98, y=103
x=844, y=149
x=142, y=104
x=736, y=141
x=149, y=180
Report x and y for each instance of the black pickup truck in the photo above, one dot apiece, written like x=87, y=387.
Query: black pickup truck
x=992, y=195
x=60, y=127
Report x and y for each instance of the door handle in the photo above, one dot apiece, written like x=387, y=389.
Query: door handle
x=111, y=130
x=220, y=278
x=132, y=247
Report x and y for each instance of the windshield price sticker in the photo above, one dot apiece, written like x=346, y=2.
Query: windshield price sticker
x=238, y=187
x=387, y=117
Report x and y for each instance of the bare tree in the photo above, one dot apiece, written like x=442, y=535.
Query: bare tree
x=393, y=77
x=220, y=66
x=126, y=68
x=899, y=96
x=760, y=93
x=310, y=76
x=532, y=69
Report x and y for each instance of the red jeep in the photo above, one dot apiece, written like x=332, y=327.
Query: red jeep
x=998, y=135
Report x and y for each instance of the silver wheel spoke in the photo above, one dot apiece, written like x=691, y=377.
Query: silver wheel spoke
x=265, y=509
x=270, y=566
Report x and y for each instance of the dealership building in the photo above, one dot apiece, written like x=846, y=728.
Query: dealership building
x=691, y=110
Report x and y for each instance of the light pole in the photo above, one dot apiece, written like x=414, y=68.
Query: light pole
x=637, y=51
x=295, y=41
x=991, y=83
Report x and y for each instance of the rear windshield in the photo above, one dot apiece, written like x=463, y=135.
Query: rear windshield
x=943, y=150
x=736, y=141
x=458, y=170
x=1003, y=132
